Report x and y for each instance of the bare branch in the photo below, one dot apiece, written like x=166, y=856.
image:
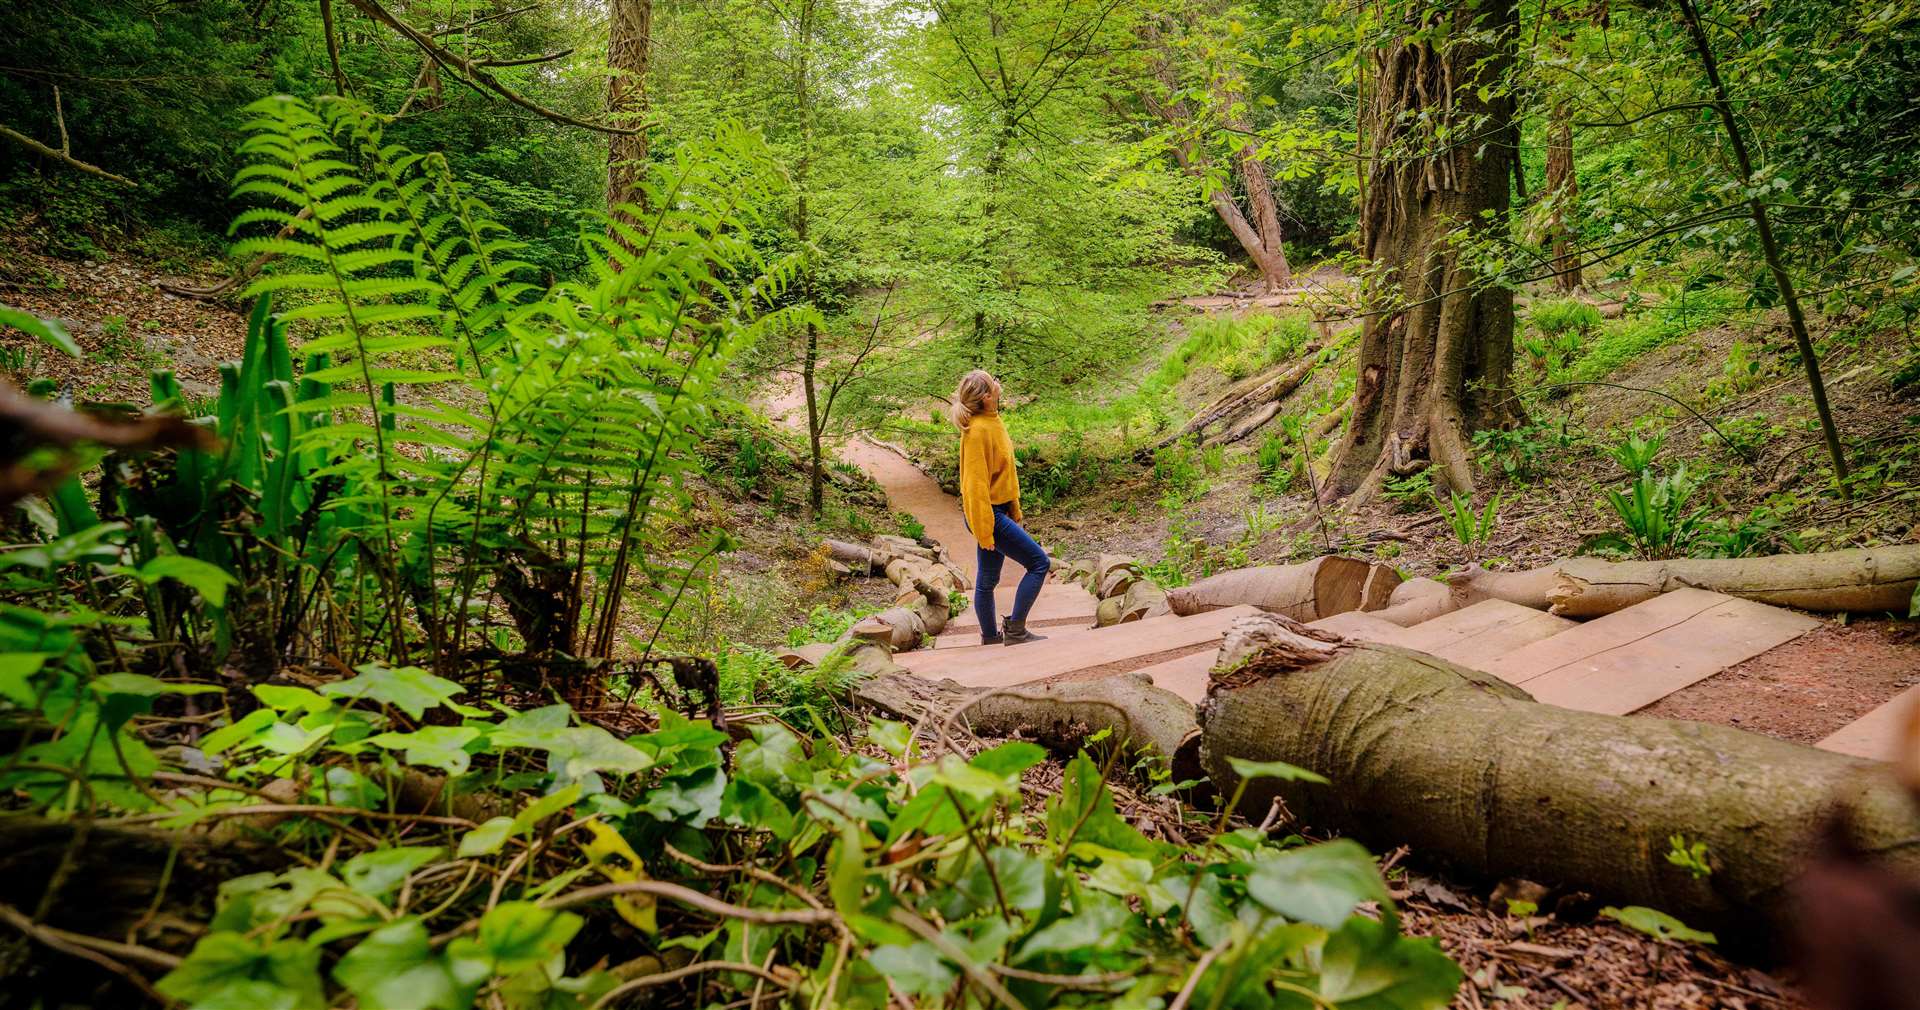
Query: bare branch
x=61, y=156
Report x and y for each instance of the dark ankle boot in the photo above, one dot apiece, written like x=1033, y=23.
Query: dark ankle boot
x=1016, y=633
x=986, y=639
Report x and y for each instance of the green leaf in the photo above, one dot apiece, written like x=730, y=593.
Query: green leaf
x=1273, y=770
x=408, y=688
x=1084, y=813
x=1320, y=883
x=229, y=969
x=248, y=727
x=440, y=747
x=916, y=968
x=286, y=698
x=395, y=967
x=126, y=695
x=544, y=807
x=1657, y=924
x=1009, y=759
x=49, y=331
x=486, y=839
x=519, y=935
x=210, y=581
x=530, y=729
x=578, y=751
x=1368, y=965
x=379, y=873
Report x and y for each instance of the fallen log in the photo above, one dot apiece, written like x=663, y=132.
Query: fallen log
x=1247, y=425
x=1417, y=600
x=1141, y=600
x=1306, y=592
x=1060, y=715
x=1858, y=580
x=1248, y=394
x=1471, y=772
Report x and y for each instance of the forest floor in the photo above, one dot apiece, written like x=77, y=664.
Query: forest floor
x=129, y=325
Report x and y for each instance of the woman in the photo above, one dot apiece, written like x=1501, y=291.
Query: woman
x=990, y=499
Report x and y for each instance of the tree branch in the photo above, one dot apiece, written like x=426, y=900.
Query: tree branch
x=61, y=156
x=475, y=73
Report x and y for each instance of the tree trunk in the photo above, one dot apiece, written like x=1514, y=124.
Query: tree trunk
x=1261, y=237
x=1471, y=772
x=1272, y=254
x=629, y=41
x=1435, y=363
x=1563, y=190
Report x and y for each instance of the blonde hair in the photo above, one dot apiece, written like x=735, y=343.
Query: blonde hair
x=970, y=396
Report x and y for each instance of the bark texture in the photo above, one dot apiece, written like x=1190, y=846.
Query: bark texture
x=1060, y=715
x=1469, y=770
x=1309, y=591
x=1436, y=358
x=1563, y=189
x=629, y=46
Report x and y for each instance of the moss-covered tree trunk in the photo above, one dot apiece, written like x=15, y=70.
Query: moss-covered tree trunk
x=1471, y=772
x=1436, y=355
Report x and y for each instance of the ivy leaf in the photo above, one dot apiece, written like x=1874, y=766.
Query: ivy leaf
x=407, y=688
x=530, y=729
x=693, y=798
x=486, y=839
x=232, y=734
x=287, y=698
x=232, y=970
x=579, y=751
x=1657, y=924
x=750, y=804
x=1320, y=883
x=1084, y=813
x=520, y=935
x=379, y=873
x=441, y=747
x=916, y=968
x=610, y=853
x=1010, y=759
x=395, y=966
x=1368, y=965
x=773, y=758
x=16, y=673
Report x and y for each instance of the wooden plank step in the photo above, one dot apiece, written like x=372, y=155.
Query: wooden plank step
x=1058, y=601
x=1633, y=658
x=1186, y=676
x=1880, y=733
x=1363, y=626
x=1475, y=636
x=1084, y=652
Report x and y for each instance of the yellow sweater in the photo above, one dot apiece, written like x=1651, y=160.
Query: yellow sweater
x=987, y=477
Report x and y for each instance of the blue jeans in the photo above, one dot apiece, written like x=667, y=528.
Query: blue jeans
x=1009, y=540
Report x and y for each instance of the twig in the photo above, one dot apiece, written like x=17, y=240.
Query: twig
x=697, y=968
x=719, y=869
x=952, y=952
x=89, y=949
x=689, y=896
x=1193, y=978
